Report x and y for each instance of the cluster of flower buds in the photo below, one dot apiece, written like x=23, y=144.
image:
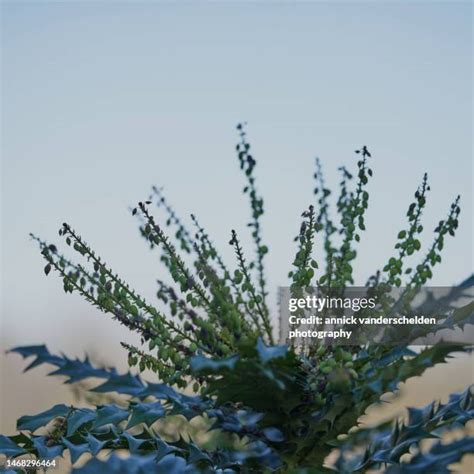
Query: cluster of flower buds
x=409, y=242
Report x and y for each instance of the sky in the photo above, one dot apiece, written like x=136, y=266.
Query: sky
x=102, y=100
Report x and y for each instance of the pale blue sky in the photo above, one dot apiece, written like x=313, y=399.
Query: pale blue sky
x=102, y=100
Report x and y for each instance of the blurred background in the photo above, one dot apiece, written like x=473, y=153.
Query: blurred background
x=102, y=100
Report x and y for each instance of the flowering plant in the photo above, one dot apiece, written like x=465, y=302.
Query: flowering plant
x=263, y=406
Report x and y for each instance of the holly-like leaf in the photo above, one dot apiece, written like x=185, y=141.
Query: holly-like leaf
x=269, y=353
x=388, y=443
x=126, y=384
x=78, y=418
x=109, y=414
x=134, y=464
x=437, y=459
x=160, y=391
x=9, y=448
x=77, y=370
x=133, y=442
x=205, y=365
x=95, y=444
x=273, y=434
x=197, y=455
x=75, y=450
x=33, y=422
x=146, y=413
x=44, y=450
x=41, y=353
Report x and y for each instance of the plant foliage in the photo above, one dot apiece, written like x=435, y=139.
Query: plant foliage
x=289, y=408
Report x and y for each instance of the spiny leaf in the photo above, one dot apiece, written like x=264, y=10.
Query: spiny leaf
x=76, y=450
x=268, y=353
x=146, y=413
x=44, y=450
x=127, y=384
x=437, y=459
x=133, y=442
x=9, y=448
x=201, y=364
x=95, y=444
x=33, y=422
x=78, y=418
x=110, y=414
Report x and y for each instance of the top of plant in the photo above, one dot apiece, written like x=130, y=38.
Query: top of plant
x=212, y=332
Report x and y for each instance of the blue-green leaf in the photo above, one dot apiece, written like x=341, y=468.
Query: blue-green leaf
x=33, y=422
x=146, y=413
x=273, y=434
x=42, y=355
x=126, y=384
x=44, y=450
x=109, y=414
x=96, y=445
x=206, y=365
x=437, y=459
x=77, y=370
x=75, y=450
x=79, y=418
x=9, y=448
x=268, y=353
x=133, y=443
x=197, y=455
